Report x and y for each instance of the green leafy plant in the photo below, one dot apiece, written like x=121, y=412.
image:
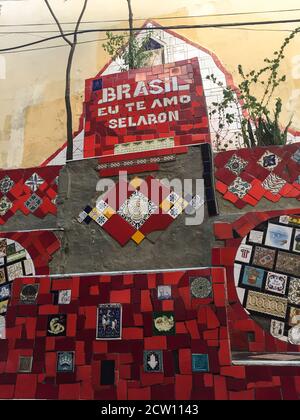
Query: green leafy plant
x=131, y=51
x=259, y=123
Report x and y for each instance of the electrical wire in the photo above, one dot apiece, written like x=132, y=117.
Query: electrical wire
x=151, y=29
x=157, y=18
x=105, y=39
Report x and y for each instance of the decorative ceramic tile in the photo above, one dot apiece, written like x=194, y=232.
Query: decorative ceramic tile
x=294, y=335
x=173, y=197
x=164, y=292
x=153, y=361
x=175, y=212
x=6, y=184
x=64, y=297
x=3, y=307
x=34, y=182
x=163, y=323
x=18, y=183
x=3, y=248
x=197, y=202
x=200, y=363
x=244, y=253
x=294, y=291
x=266, y=304
x=277, y=328
x=253, y=277
x=239, y=187
x=274, y=183
x=143, y=146
x=14, y=271
x=101, y=220
x=282, y=184
x=101, y=205
x=18, y=256
x=95, y=213
x=2, y=276
x=279, y=277
x=290, y=220
x=65, y=361
x=269, y=160
x=5, y=205
x=109, y=322
x=2, y=328
x=5, y=291
x=276, y=283
x=296, y=244
x=57, y=325
x=236, y=165
x=256, y=236
x=33, y=203
x=82, y=216
x=288, y=263
x=137, y=209
x=29, y=294
x=201, y=287
x=136, y=162
x=279, y=236
x=294, y=317
x=25, y=364
x=11, y=249
x=264, y=257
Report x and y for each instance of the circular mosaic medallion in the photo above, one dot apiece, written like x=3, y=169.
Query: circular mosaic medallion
x=201, y=287
x=15, y=262
x=267, y=277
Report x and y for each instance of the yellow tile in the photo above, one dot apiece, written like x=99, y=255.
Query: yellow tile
x=166, y=205
x=108, y=212
x=136, y=182
x=95, y=213
x=138, y=237
x=181, y=203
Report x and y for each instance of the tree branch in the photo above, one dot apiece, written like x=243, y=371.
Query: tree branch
x=79, y=21
x=131, y=36
x=58, y=24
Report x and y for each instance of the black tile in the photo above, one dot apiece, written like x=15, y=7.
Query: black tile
x=108, y=372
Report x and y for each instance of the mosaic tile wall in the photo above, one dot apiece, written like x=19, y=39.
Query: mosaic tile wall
x=23, y=253
x=163, y=131
x=256, y=267
x=29, y=191
x=246, y=176
x=171, y=341
x=133, y=336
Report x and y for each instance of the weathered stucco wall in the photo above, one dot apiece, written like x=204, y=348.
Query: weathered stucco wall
x=32, y=117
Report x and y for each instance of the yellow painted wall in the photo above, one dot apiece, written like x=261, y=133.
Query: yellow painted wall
x=32, y=116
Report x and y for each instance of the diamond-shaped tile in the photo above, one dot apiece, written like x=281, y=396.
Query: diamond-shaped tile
x=269, y=160
x=137, y=209
x=273, y=183
x=175, y=212
x=6, y=184
x=33, y=203
x=34, y=182
x=173, y=197
x=239, y=187
x=236, y=165
x=197, y=202
x=5, y=205
x=101, y=220
x=101, y=205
